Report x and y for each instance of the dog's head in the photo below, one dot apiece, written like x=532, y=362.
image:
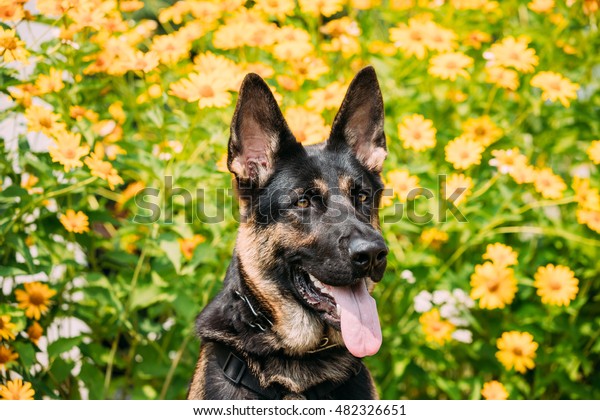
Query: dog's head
x=309, y=244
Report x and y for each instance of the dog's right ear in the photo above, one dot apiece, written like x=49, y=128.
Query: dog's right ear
x=258, y=133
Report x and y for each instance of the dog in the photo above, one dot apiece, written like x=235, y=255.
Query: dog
x=295, y=314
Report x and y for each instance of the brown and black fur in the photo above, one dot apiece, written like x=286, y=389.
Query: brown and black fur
x=276, y=236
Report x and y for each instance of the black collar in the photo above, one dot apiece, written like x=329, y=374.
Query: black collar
x=235, y=369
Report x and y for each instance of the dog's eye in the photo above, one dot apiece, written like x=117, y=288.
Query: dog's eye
x=303, y=202
x=362, y=196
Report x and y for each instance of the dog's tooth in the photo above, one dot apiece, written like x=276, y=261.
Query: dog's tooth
x=338, y=309
x=318, y=283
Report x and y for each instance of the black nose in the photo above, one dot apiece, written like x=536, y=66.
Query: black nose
x=366, y=255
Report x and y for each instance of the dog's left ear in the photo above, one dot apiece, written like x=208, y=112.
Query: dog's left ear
x=359, y=122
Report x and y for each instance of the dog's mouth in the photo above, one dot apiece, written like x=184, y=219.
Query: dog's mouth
x=350, y=309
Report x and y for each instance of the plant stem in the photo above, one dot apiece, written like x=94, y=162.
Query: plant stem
x=173, y=367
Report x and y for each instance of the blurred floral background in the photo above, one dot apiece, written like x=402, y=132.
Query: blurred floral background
x=492, y=105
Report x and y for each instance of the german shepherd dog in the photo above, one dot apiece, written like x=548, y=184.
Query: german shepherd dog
x=295, y=315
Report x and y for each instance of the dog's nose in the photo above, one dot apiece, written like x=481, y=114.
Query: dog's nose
x=366, y=255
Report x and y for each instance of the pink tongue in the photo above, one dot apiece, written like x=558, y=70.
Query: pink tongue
x=360, y=324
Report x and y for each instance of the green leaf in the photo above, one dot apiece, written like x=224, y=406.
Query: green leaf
x=26, y=353
x=149, y=295
x=62, y=345
x=173, y=252
x=61, y=369
x=11, y=271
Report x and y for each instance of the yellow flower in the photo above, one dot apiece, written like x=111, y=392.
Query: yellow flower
x=52, y=82
x=321, y=7
x=6, y=328
x=11, y=11
x=67, y=150
x=501, y=77
x=364, y=4
x=229, y=36
x=458, y=183
x=35, y=299
x=516, y=351
x=548, y=184
x=140, y=61
x=292, y=50
x=587, y=197
x=116, y=111
x=435, y=328
x=309, y=68
x=16, y=390
x=209, y=63
x=463, y=152
x=433, y=237
x=476, y=38
x=472, y=4
x=500, y=254
x=104, y=170
x=78, y=112
x=44, y=120
x=170, y=48
x=594, y=152
x=494, y=390
x=209, y=90
x=35, y=332
x=416, y=132
x=75, y=222
x=411, y=38
x=129, y=6
x=11, y=47
x=513, y=52
x=188, y=245
x=541, y=6
x=279, y=8
x=6, y=356
x=555, y=87
x=494, y=285
x=449, y=66
x=556, y=285
x=438, y=38
x=522, y=173
x=402, y=183
x=507, y=160
x=328, y=98
x=307, y=126
x=482, y=130
x=591, y=218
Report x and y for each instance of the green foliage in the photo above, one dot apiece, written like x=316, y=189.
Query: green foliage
x=130, y=285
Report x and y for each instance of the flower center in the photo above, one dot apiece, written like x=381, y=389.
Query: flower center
x=206, y=91
x=480, y=131
x=555, y=284
x=518, y=351
x=452, y=65
x=36, y=298
x=555, y=85
x=493, y=285
x=69, y=153
x=46, y=122
x=416, y=36
x=9, y=44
